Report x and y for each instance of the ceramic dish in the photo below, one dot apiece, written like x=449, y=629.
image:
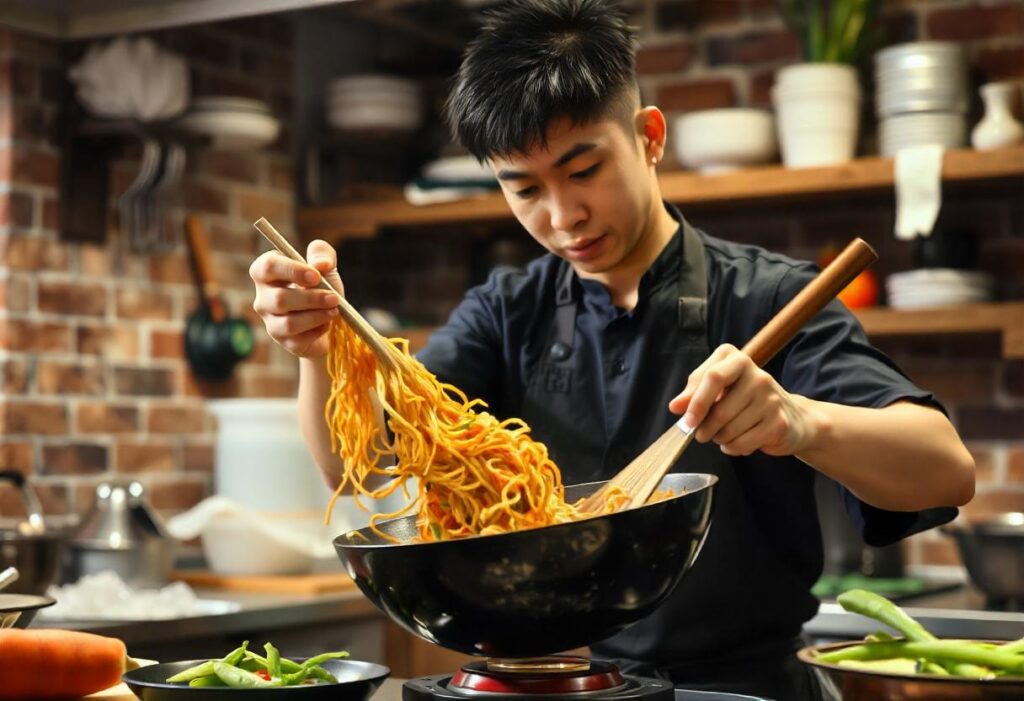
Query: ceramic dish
x=20, y=609
x=357, y=681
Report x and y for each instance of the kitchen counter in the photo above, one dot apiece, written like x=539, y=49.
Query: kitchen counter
x=959, y=613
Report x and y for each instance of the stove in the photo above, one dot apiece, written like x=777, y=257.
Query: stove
x=553, y=677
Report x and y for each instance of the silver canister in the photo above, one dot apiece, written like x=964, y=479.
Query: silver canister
x=124, y=535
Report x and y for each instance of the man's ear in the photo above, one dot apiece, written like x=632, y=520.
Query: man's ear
x=650, y=123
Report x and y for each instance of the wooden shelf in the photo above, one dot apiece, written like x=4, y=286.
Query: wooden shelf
x=365, y=219
x=1003, y=318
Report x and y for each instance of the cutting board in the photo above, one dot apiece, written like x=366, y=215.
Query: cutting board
x=116, y=693
x=269, y=584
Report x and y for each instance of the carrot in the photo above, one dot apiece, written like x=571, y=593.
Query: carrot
x=51, y=663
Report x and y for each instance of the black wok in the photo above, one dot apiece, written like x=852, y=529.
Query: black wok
x=538, y=591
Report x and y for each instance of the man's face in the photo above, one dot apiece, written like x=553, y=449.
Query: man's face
x=585, y=197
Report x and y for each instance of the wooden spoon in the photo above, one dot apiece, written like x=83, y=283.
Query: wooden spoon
x=385, y=352
x=640, y=477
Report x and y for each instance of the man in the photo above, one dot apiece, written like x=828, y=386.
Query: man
x=636, y=317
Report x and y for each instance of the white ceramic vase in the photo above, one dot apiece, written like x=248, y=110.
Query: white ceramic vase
x=998, y=127
x=818, y=108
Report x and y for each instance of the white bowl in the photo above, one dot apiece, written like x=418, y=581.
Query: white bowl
x=233, y=130
x=363, y=117
x=228, y=103
x=239, y=544
x=724, y=139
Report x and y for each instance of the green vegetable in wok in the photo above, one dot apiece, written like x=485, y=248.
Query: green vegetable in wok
x=919, y=651
x=244, y=669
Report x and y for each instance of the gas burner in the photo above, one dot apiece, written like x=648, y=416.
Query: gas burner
x=552, y=677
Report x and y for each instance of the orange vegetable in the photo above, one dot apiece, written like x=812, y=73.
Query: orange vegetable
x=50, y=663
x=862, y=290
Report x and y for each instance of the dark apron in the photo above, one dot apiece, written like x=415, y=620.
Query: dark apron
x=724, y=579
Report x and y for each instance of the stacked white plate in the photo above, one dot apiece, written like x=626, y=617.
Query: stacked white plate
x=232, y=123
x=360, y=102
x=921, y=95
x=937, y=287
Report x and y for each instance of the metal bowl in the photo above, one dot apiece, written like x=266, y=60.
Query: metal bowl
x=18, y=610
x=860, y=685
x=538, y=591
x=993, y=553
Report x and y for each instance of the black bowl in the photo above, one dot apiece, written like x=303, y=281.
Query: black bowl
x=356, y=682
x=18, y=610
x=537, y=591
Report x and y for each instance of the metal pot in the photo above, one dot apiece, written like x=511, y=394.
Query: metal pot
x=121, y=534
x=993, y=553
x=30, y=546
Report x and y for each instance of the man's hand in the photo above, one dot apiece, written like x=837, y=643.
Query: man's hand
x=742, y=408
x=294, y=310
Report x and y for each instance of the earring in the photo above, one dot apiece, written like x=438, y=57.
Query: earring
x=654, y=160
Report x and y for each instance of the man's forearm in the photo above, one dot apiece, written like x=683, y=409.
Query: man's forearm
x=314, y=390
x=904, y=457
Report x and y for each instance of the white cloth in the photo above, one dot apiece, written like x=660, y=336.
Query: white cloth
x=918, y=176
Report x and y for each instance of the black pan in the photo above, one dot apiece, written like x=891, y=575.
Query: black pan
x=356, y=682
x=538, y=591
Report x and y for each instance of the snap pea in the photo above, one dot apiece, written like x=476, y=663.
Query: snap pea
x=934, y=651
x=273, y=661
x=238, y=678
x=205, y=669
x=204, y=682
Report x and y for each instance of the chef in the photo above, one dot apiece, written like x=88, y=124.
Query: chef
x=634, y=318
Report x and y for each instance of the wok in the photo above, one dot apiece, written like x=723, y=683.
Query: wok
x=537, y=591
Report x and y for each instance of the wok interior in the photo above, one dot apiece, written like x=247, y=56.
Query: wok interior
x=405, y=531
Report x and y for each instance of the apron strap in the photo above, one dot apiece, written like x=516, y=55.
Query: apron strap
x=693, y=283
x=564, y=332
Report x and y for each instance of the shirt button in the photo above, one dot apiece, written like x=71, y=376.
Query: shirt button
x=559, y=351
x=619, y=367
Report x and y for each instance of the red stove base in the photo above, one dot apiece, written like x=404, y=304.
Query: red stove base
x=543, y=678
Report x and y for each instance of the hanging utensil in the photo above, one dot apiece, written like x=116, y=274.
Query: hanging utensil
x=640, y=477
x=214, y=341
x=8, y=576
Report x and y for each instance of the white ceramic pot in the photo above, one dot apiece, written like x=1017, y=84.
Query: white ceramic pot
x=818, y=113
x=998, y=127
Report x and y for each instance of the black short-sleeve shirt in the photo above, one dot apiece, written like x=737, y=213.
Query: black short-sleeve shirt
x=496, y=337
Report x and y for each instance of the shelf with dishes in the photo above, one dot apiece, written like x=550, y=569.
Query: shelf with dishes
x=1003, y=318
x=745, y=186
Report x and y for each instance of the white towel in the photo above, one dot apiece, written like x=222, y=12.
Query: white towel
x=918, y=175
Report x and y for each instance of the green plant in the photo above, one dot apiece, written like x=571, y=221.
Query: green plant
x=830, y=31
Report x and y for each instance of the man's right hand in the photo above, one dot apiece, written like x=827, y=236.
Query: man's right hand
x=296, y=312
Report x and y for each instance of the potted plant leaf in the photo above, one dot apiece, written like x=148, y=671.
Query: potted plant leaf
x=818, y=101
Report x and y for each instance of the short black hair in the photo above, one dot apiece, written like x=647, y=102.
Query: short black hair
x=536, y=60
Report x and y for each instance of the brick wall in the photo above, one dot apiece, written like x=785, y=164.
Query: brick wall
x=698, y=54
x=92, y=378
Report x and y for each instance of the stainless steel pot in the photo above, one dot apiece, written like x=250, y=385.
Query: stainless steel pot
x=121, y=534
x=993, y=553
x=30, y=545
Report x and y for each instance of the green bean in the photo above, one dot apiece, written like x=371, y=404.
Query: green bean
x=872, y=605
x=238, y=678
x=205, y=669
x=934, y=651
x=1014, y=648
x=313, y=661
x=203, y=682
x=273, y=661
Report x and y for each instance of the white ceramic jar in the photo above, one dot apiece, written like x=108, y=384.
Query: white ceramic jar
x=999, y=127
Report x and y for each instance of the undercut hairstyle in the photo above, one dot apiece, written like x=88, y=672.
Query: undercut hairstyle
x=538, y=60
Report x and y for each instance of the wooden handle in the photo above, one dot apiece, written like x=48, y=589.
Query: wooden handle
x=380, y=345
x=208, y=286
x=854, y=259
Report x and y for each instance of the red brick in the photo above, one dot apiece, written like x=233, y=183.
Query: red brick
x=195, y=387
x=1001, y=63
x=752, y=47
x=63, y=377
x=74, y=459
x=667, y=58
x=166, y=344
x=51, y=214
x=33, y=253
x=230, y=165
x=33, y=418
x=991, y=423
x=898, y=27
x=177, y=495
x=140, y=303
x=16, y=209
x=697, y=95
x=238, y=240
x=970, y=381
x=259, y=383
x=113, y=342
x=22, y=77
x=35, y=125
x=14, y=375
x=976, y=21
x=761, y=89
x=16, y=293
x=33, y=336
x=30, y=166
x=173, y=268
x=253, y=205
x=16, y=456
x=205, y=198
x=177, y=419
x=763, y=8
x=76, y=299
x=143, y=382
x=1015, y=377
x=145, y=457
x=939, y=552
x=1015, y=467
x=94, y=261
x=54, y=499
x=102, y=417
x=995, y=501
x=34, y=48
x=199, y=457
x=282, y=176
